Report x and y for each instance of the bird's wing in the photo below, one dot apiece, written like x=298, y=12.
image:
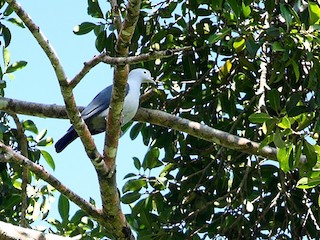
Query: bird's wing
x=100, y=103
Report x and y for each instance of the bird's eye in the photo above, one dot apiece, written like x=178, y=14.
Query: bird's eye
x=145, y=72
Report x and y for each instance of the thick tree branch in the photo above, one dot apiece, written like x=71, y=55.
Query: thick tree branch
x=12, y=232
x=109, y=193
x=66, y=91
x=119, y=84
x=204, y=132
x=33, y=109
x=158, y=118
x=9, y=155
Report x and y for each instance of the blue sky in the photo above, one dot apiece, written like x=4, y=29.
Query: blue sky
x=37, y=83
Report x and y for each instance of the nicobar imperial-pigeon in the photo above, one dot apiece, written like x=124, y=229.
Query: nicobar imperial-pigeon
x=96, y=112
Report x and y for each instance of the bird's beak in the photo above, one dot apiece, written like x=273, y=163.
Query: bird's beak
x=157, y=82
x=151, y=80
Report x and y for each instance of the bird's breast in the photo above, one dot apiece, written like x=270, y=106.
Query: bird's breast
x=130, y=107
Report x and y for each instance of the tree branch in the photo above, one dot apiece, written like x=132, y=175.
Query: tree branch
x=12, y=232
x=23, y=147
x=33, y=109
x=9, y=155
x=204, y=132
x=116, y=14
x=86, y=68
x=109, y=193
x=158, y=118
x=66, y=91
x=144, y=57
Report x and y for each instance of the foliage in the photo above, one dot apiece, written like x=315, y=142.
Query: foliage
x=254, y=73
x=39, y=196
x=204, y=190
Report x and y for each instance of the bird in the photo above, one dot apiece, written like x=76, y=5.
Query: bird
x=95, y=114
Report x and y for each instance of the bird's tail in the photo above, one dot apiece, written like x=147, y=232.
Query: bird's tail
x=68, y=138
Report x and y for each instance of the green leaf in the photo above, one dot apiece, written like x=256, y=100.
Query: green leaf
x=274, y=99
x=276, y=47
x=235, y=7
x=94, y=9
x=252, y=47
x=8, y=11
x=306, y=183
x=218, y=36
x=246, y=10
x=76, y=218
x=167, y=169
x=293, y=101
x=6, y=57
x=314, y=13
x=101, y=41
x=296, y=70
x=63, y=207
x=158, y=36
x=310, y=153
x=259, y=117
x=297, y=110
x=42, y=134
x=111, y=43
x=48, y=159
x=137, y=163
x=130, y=197
x=134, y=185
x=283, y=156
x=286, y=14
x=239, y=44
x=30, y=126
x=151, y=158
x=6, y=35
x=304, y=120
x=45, y=142
x=167, y=11
x=216, y=5
x=135, y=130
x=285, y=123
x=277, y=139
x=298, y=153
x=17, y=22
x=129, y=175
x=224, y=71
x=16, y=66
x=84, y=28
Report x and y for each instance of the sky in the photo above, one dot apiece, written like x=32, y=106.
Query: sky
x=37, y=83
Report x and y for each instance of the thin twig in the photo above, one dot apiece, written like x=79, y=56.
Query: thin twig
x=116, y=13
x=87, y=66
x=144, y=57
